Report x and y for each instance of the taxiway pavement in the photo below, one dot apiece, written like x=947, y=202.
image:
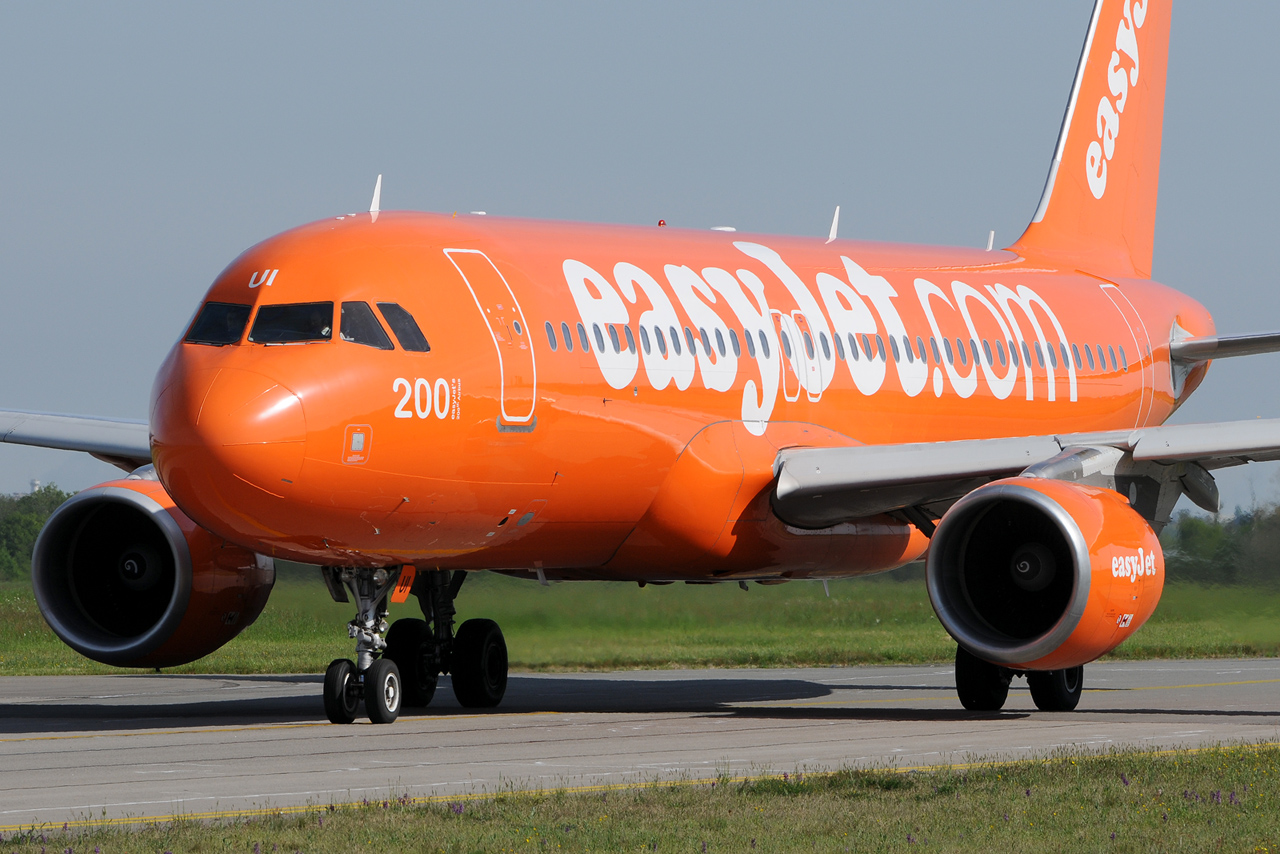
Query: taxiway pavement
x=79, y=747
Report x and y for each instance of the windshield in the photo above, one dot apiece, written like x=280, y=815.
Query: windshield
x=219, y=323
x=293, y=324
x=360, y=326
x=405, y=327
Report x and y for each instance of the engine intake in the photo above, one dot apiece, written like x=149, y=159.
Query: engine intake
x=1041, y=574
x=125, y=578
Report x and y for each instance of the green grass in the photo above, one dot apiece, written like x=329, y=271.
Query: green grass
x=1217, y=799
x=595, y=626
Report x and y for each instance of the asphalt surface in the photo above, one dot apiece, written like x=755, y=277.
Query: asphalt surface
x=80, y=747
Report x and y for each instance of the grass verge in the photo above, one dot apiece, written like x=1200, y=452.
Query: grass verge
x=1215, y=799
x=599, y=626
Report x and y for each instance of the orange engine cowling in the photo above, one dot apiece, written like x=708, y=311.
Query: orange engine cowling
x=125, y=578
x=1038, y=574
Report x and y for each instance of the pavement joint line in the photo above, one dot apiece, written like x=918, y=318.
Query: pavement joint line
x=254, y=727
x=421, y=800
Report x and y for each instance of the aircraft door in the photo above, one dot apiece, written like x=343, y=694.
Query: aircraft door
x=1141, y=361
x=512, y=340
x=788, y=335
x=807, y=357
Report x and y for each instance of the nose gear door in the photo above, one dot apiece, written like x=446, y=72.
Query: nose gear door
x=509, y=330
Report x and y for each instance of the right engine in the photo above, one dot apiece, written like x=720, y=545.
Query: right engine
x=125, y=578
x=1038, y=574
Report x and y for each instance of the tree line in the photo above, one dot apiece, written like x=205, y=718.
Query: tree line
x=1240, y=549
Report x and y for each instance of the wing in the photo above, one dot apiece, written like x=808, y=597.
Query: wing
x=125, y=444
x=819, y=487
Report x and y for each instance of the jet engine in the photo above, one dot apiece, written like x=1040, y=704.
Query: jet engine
x=125, y=578
x=1037, y=574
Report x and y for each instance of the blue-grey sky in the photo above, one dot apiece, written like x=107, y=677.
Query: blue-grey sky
x=145, y=145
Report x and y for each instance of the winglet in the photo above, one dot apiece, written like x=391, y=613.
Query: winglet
x=835, y=224
x=376, y=204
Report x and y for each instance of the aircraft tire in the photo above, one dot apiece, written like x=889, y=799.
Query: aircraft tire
x=406, y=642
x=1056, y=690
x=981, y=685
x=479, y=664
x=383, y=691
x=341, y=700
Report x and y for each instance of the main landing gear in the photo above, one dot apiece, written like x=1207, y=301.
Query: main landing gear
x=983, y=686
x=398, y=668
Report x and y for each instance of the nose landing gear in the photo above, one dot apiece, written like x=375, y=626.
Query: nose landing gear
x=400, y=667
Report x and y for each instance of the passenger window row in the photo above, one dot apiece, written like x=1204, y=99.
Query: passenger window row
x=859, y=347
x=220, y=323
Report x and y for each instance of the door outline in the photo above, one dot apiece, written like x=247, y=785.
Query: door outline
x=784, y=324
x=501, y=333
x=1142, y=342
x=811, y=367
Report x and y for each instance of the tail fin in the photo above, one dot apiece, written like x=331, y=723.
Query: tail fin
x=1098, y=210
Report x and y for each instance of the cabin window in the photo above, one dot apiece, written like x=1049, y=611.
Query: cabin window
x=595, y=330
x=893, y=345
x=359, y=326
x=880, y=348
x=688, y=337
x=839, y=348
x=1026, y=355
x=644, y=341
x=1013, y=354
x=853, y=347
x=764, y=344
x=404, y=327
x=866, y=347
x=1039, y=355
x=675, y=340
x=662, y=340
x=1000, y=352
x=613, y=338
x=551, y=333
x=986, y=351
x=568, y=338
x=1075, y=351
x=826, y=346
x=1088, y=352
x=720, y=343
x=906, y=345
x=786, y=343
x=1053, y=355
x=706, y=340
x=920, y=349
x=751, y=343
x=951, y=358
x=219, y=323
x=1066, y=360
x=296, y=323
x=808, y=345
x=631, y=339
x=933, y=345
x=973, y=348
x=582, y=339
x=1124, y=360
x=733, y=340
x=964, y=353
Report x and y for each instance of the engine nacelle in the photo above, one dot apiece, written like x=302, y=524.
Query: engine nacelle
x=125, y=578
x=1038, y=574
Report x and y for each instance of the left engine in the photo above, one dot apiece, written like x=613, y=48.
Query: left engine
x=1037, y=574
x=126, y=578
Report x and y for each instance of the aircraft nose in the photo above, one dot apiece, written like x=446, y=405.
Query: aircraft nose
x=221, y=438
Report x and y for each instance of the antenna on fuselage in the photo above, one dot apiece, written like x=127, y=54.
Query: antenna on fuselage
x=376, y=204
x=835, y=225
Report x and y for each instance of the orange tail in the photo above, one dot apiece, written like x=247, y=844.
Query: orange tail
x=1098, y=210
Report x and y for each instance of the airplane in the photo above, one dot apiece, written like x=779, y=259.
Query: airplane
x=404, y=398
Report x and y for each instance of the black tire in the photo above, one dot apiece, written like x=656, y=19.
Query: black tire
x=406, y=642
x=341, y=691
x=1056, y=690
x=981, y=685
x=383, y=691
x=479, y=664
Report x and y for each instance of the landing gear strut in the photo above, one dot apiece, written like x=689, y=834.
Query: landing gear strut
x=475, y=655
x=371, y=678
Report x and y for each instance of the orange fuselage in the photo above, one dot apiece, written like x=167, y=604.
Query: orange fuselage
x=648, y=453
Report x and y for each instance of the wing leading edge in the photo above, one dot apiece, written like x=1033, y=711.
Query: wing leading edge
x=820, y=487
x=124, y=444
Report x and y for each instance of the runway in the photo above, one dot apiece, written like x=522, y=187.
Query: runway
x=155, y=745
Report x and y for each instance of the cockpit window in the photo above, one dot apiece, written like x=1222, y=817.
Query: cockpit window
x=361, y=327
x=405, y=327
x=293, y=324
x=219, y=323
